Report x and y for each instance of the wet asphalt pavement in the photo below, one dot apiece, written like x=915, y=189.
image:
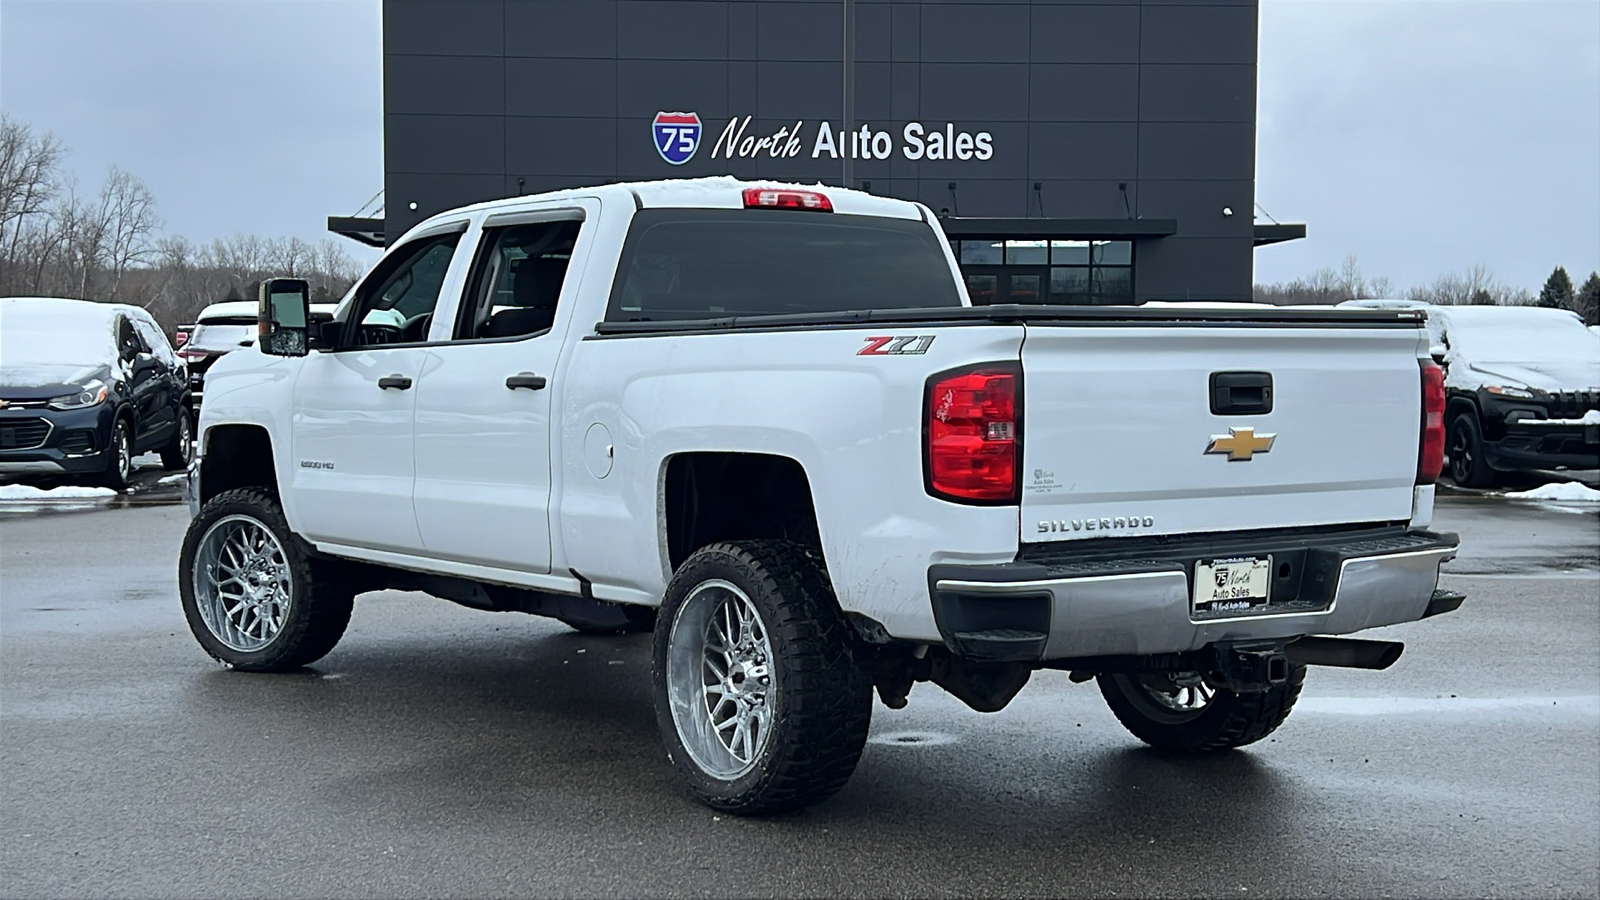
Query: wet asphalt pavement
x=440, y=751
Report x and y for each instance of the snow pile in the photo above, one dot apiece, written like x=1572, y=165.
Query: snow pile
x=68, y=492
x=1570, y=490
x=1592, y=417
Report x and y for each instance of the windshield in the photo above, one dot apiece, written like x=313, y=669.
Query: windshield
x=1555, y=339
x=223, y=335
x=709, y=263
x=58, y=333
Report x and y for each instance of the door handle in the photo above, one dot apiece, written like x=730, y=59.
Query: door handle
x=398, y=382
x=526, y=380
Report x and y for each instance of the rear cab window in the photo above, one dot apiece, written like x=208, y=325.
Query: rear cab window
x=687, y=264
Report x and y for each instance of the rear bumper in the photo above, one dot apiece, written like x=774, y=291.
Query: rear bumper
x=1139, y=604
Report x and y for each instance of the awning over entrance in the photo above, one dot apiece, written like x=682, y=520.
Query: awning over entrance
x=367, y=231
x=1277, y=234
x=1087, y=229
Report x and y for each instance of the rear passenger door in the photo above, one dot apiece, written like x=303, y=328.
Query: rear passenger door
x=166, y=388
x=142, y=375
x=485, y=398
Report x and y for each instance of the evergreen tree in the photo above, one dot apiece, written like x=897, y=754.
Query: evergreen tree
x=1481, y=297
x=1557, y=291
x=1587, y=301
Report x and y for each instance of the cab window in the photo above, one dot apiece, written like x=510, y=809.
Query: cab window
x=516, y=281
x=396, y=303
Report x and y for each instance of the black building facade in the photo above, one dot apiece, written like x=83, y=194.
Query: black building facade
x=1078, y=152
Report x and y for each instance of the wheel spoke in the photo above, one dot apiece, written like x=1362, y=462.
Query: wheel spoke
x=720, y=671
x=731, y=636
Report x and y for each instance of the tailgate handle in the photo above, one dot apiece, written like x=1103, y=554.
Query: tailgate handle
x=1241, y=393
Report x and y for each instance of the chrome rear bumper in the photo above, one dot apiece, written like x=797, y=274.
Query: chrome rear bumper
x=1138, y=607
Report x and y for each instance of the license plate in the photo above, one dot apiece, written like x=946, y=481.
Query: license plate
x=1236, y=583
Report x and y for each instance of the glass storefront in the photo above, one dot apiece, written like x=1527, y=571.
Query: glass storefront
x=1067, y=272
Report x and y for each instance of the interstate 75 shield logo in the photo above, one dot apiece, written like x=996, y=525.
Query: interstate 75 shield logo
x=677, y=136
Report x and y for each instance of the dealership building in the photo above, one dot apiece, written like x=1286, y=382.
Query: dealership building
x=1075, y=152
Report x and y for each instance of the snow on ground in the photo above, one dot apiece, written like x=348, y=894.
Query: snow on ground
x=1570, y=490
x=66, y=492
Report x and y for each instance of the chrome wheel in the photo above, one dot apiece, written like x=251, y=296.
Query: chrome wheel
x=242, y=583
x=124, y=451
x=720, y=680
x=1169, y=698
x=185, y=437
x=1184, y=697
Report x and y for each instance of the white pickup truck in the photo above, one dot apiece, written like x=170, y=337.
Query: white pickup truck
x=766, y=421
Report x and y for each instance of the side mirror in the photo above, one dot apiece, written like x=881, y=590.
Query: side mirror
x=285, y=308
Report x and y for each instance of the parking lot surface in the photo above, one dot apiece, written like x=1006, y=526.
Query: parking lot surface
x=440, y=751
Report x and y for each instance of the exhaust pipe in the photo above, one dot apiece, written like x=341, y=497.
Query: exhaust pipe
x=1349, y=653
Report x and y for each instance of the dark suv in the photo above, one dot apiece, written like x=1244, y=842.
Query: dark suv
x=1524, y=390
x=84, y=388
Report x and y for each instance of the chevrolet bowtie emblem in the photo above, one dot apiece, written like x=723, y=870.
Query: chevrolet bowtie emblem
x=1240, y=443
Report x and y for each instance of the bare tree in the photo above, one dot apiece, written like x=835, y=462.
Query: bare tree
x=1476, y=286
x=127, y=220
x=55, y=240
x=29, y=180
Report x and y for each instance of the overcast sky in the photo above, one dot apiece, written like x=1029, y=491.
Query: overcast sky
x=1423, y=137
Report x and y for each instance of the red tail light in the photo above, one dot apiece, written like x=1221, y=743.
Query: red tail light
x=972, y=433
x=773, y=198
x=1430, y=458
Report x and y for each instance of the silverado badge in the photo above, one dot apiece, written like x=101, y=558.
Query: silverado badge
x=1240, y=443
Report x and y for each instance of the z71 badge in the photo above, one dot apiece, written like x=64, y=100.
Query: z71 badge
x=908, y=345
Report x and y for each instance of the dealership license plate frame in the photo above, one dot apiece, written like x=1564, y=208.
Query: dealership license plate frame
x=1254, y=592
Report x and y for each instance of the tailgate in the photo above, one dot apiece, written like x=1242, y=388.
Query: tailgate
x=1118, y=422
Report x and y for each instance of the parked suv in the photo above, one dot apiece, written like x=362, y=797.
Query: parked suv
x=223, y=328
x=220, y=328
x=84, y=388
x=1524, y=390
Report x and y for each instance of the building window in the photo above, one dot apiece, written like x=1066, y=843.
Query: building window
x=1066, y=272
